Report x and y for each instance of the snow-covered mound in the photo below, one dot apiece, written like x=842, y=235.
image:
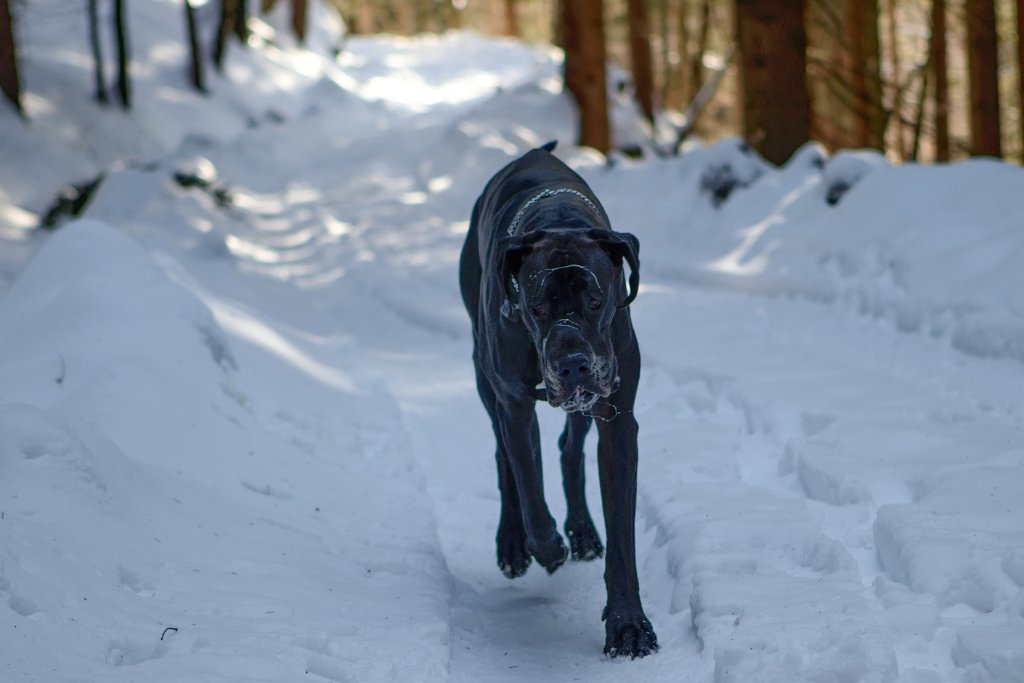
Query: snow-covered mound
x=95, y=319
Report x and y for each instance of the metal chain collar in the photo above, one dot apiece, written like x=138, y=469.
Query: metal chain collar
x=514, y=225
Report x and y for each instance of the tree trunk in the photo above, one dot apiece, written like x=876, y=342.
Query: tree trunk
x=300, y=13
x=640, y=53
x=867, y=80
x=97, y=51
x=983, y=77
x=196, y=71
x=223, y=31
x=364, y=18
x=232, y=20
x=240, y=21
x=697, y=62
x=665, y=59
x=941, y=78
x=897, y=88
x=773, y=67
x=451, y=15
x=558, y=24
x=123, y=54
x=1020, y=75
x=915, y=149
x=407, y=20
x=683, y=48
x=511, y=19
x=10, y=83
x=583, y=37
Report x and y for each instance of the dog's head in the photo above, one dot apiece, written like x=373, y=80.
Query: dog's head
x=566, y=285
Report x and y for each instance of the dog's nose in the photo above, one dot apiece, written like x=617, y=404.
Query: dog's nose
x=572, y=369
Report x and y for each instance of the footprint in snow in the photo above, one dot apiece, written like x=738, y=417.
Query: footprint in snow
x=30, y=434
x=128, y=652
x=19, y=604
x=133, y=581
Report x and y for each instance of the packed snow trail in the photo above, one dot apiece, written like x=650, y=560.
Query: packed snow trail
x=261, y=427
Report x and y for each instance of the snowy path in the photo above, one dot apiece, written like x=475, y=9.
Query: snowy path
x=751, y=516
x=539, y=626
x=745, y=521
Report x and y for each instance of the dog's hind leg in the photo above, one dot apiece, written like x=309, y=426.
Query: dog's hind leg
x=513, y=558
x=584, y=542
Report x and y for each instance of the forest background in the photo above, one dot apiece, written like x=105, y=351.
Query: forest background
x=919, y=80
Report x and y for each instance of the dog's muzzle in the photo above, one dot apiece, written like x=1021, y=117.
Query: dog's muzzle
x=577, y=381
x=575, y=376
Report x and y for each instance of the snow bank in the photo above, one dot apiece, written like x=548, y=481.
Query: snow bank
x=776, y=628
x=991, y=651
x=934, y=249
x=92, y=322
x=92, y=299
x=836, y=520
x=150, y=482
x=959, y=539
x=770, y=596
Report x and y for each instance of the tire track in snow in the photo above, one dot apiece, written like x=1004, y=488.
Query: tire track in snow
x=743, y=546
x=816, y=437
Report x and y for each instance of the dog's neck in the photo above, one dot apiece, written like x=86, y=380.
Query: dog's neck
x=513, y=227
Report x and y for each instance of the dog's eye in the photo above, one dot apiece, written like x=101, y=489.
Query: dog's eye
x=594, y=304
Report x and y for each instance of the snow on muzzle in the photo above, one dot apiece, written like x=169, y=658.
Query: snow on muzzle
x=576, y=380
x=575, y=376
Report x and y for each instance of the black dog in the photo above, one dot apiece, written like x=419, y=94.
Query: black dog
x=541, y=275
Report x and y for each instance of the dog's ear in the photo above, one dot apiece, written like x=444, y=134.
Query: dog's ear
x=621, y=246
x=513, y=250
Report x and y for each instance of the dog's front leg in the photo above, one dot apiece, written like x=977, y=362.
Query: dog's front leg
x=627, y=630
x=579, y=527
x=519, y=432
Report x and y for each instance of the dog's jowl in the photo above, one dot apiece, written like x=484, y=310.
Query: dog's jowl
x=543, y=278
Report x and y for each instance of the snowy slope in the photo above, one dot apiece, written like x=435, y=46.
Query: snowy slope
x=152, y=478
x=256, y=423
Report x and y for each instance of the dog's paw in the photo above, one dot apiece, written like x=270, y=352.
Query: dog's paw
x=513, y=569
x=584, y=541
x=628, y=635
x=513, y=559
x=550, y=554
